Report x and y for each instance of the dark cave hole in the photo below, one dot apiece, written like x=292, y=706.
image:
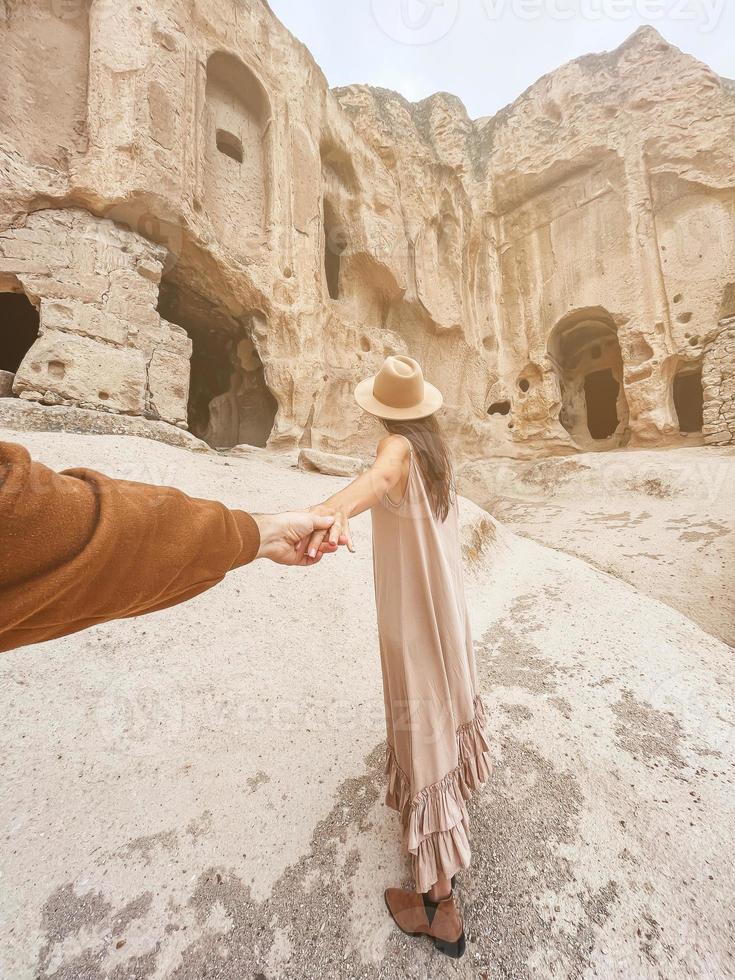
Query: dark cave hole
x=229, y=401
x=19, y=324
x=211, y=367
x=499, y=408
x=230, y=145
x=689, y=400
x=601, y=395
x=585, y=351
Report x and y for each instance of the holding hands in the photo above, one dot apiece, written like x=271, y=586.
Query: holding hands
x=327, y=540
x=301, y=538
x=304, y=538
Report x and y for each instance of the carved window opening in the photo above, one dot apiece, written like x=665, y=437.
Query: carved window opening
x=230, y=145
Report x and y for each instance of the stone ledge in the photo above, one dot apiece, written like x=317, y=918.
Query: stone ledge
x=23, y=416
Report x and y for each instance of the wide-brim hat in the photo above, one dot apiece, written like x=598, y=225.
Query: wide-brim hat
x=398, y=391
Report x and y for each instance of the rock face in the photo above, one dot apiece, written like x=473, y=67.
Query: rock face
x=312, y=460
x=88, y=290
x=719, y=391
x=564, y=270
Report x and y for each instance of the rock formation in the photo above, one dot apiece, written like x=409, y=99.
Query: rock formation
x=92, y=288
x=194, y=228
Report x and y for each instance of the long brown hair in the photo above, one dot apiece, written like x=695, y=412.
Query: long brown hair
x=433, y=458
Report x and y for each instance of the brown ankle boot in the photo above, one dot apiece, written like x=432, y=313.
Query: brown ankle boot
x=416, y=915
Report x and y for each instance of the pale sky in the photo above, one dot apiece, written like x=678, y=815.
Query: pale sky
x=489, y=51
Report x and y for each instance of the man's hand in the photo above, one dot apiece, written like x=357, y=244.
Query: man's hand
x=284, y=537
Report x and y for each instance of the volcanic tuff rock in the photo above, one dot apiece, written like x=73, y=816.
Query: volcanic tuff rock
x=177, y=181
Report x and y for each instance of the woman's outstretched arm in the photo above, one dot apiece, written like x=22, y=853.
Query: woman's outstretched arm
x=364, y=492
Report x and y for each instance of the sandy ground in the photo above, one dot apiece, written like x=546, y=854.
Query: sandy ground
x=662, y=520
x=198, y=793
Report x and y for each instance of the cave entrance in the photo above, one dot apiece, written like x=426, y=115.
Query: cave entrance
x=335, y=243
x=585, y=351
x=19, y=324
x=689, y=398
x=230, y=403
x=601, y=392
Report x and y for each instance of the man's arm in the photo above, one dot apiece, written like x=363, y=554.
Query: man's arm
x=79, y=548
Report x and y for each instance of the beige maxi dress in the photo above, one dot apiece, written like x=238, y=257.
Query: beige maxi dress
x=437, y=753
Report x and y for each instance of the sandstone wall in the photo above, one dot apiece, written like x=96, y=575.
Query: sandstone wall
x=561, y=269
x=719, y=387
x=101, y=343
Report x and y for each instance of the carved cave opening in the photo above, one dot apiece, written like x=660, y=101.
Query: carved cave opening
x=601, y=392
x=230, y=403
x=19, y=324
x=689, y=398
x=236, y=177
x=585, y=351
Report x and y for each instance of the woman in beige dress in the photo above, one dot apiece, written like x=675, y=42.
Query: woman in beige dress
x=437, y=754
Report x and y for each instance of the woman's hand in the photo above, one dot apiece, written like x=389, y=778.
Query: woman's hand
x=339, y=533
x=364, y=492
x=284, y=537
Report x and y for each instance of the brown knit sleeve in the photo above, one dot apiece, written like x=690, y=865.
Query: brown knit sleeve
x=80, y=548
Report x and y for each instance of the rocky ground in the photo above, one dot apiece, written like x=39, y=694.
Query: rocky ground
x=198, y=793
x=661, y=520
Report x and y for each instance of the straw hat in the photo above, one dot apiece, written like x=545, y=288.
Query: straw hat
x=398, y=391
